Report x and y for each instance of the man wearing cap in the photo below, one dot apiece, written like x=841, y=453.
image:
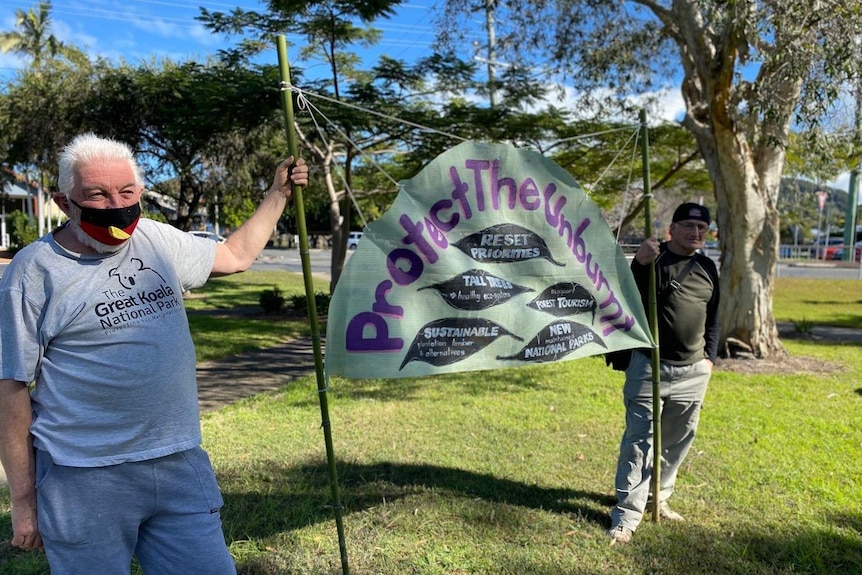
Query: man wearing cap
x=687, y=302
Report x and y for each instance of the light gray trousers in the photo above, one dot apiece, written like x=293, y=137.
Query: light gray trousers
x=682, y=390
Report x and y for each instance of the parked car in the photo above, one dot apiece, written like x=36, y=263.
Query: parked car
x=833, y=252
x=838, y=254
x=209, y=235
x=353, y=240
x=830, y=249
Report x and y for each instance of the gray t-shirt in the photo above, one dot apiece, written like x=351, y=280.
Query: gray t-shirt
x=106, y=341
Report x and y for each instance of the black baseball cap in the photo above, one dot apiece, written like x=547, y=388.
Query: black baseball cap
x=691, y=211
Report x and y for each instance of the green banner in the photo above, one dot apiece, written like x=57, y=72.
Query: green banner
x=490, y=257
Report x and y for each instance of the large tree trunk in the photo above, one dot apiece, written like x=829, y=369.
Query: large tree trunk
x=742, y=145
x=325, y=158
x=748, y=227
x=336, y=227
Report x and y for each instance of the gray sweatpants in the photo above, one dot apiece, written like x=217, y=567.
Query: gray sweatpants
x=164, y=511
x=682, y=390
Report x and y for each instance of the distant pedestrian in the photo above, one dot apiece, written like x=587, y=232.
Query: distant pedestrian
x=102, y=452
x=687, y=297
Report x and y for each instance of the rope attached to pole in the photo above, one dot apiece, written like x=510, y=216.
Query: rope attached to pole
x=293, y=148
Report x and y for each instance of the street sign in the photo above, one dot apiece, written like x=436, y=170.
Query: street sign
x=821, y=198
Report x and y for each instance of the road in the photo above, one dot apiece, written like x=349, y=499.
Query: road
x=274, y=259
x=822, y=271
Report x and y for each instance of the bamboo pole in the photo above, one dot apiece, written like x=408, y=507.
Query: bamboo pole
x=653, y=322
x=287, y=105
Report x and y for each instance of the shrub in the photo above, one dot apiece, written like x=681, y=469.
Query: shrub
x=803, y=326
x=272, y=300
x=22, y=230
x=321, y=300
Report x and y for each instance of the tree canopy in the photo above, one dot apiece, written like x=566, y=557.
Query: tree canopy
x=32, y=36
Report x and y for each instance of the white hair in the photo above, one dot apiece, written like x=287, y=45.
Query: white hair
x=87, y=148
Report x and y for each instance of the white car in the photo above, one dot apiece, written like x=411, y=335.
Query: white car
x=209, y=235
x=353, y=240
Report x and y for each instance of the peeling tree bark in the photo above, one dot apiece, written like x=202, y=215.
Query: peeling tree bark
x=743, y=151
x=748, y=237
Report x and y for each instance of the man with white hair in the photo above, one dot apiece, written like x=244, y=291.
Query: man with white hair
x=99, y=422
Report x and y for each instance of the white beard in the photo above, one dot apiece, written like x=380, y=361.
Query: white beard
x=82, y=237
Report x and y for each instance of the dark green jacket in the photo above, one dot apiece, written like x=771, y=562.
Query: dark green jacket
x=687, y=317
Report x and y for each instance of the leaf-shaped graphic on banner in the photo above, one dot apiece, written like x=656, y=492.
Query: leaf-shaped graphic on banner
x=565, y=298
x=555, y=341
x=477, y=289
x=452, y=339
x=505, y=243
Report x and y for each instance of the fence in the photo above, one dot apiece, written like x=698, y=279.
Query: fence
x=787, y=253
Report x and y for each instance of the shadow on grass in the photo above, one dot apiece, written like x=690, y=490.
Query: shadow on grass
x=517, y=380
x=831, y=335
x=758, y=550
x=665, y=548
x=298, y=497
x=365, y=483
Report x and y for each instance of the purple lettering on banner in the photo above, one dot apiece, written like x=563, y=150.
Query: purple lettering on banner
x=459, y=192
x=411, y=274
x=614, y=311
x=529, y=195
x=355, y=339
x=579, y=247
x=600, y=282
x=603, y=283
x=478, y=166
x=437, y=236
x=497, y=183
x=564, y=229
x=552, y=213
x=382, y=306
x=593, y=270
x=414, y=236
x=434, y=214
x=627, y=325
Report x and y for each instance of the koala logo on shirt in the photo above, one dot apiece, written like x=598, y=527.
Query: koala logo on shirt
x=127, y=274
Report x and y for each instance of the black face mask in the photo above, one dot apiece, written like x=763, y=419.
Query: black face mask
x=111, y=226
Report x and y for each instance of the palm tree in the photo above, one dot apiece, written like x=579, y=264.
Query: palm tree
x=31, y=35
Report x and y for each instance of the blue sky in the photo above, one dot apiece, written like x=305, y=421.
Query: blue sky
x=138, y=30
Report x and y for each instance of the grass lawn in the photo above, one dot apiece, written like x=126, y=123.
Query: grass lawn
x=511, y=472
x=820, y=302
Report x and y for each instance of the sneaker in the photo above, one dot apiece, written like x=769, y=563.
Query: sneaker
x=665, y=512
x=620, y=534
